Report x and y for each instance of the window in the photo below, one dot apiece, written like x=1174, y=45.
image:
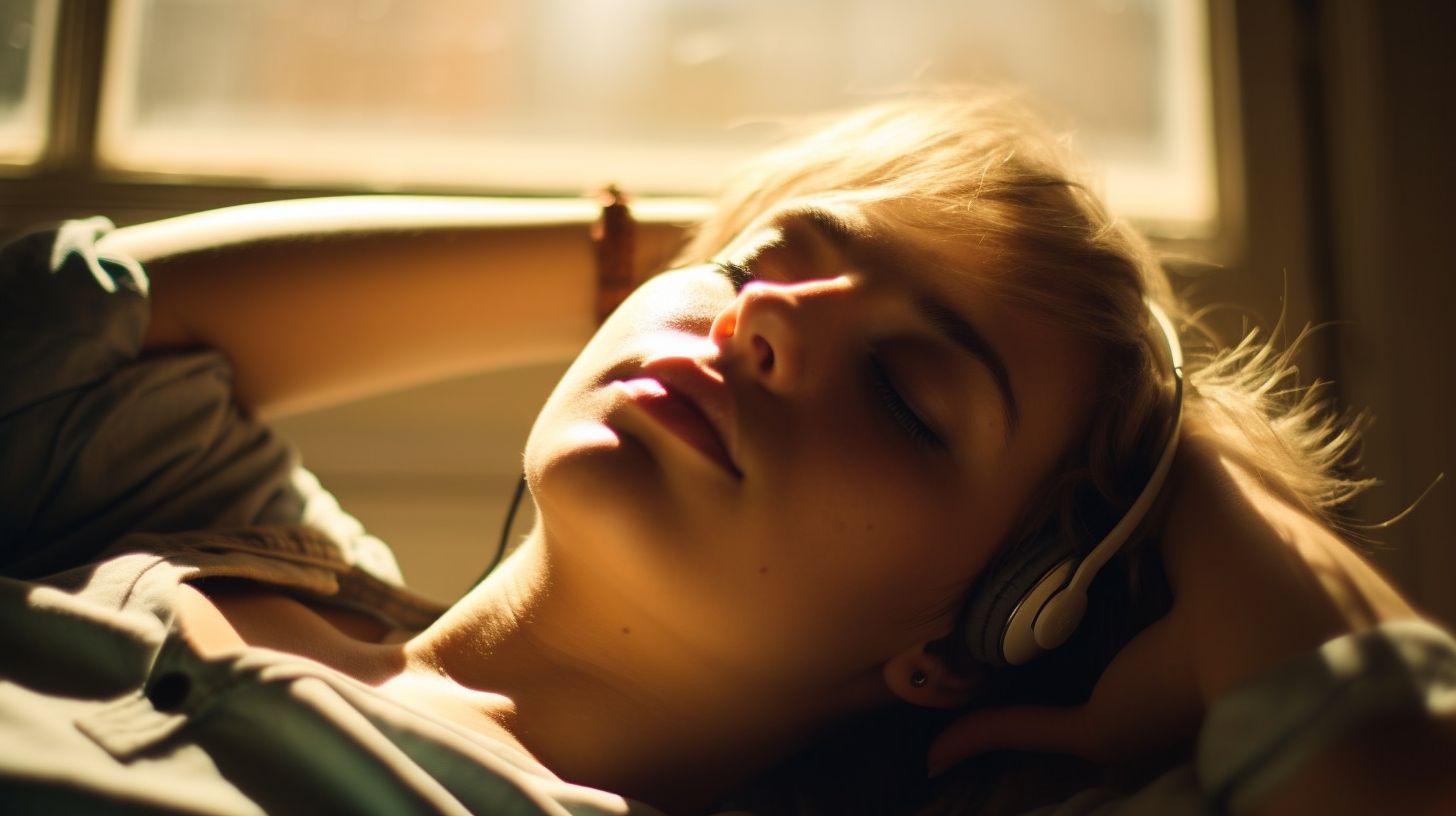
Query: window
x=558, y=96
x=27, y=35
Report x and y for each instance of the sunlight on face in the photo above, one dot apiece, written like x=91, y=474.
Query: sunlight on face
x=832, y=437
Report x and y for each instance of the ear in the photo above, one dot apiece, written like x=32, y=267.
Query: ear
x=943, y=687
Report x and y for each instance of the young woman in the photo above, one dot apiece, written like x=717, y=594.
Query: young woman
x=776, y=489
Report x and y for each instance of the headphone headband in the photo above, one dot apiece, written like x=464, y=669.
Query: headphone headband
x=1033, y=603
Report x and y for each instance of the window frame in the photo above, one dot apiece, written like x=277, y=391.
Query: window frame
x=67, y=180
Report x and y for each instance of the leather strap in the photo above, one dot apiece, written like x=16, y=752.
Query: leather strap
x=614, y=237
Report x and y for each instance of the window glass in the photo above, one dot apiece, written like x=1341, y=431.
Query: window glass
x=27, y=33
x=657, y=95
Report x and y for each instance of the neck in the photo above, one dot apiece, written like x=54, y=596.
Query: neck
x=601, y=695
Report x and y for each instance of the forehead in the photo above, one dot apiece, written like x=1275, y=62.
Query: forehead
x=895, y=244
x=892, y=239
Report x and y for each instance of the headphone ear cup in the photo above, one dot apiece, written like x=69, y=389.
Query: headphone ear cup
x=1001, y=590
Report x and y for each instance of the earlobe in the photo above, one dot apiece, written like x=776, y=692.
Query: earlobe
x=920, y=677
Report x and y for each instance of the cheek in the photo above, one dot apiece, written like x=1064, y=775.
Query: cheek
x=874, y=538
x=684, y=300
x=858, y=482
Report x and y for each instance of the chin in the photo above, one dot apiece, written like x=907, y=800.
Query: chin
x=590, y=483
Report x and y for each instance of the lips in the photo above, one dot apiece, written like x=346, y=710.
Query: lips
x=691, y=402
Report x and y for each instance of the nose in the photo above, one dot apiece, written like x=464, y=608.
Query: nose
x=780, y=331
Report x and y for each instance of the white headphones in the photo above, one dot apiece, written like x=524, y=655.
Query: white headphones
x=1033, y=600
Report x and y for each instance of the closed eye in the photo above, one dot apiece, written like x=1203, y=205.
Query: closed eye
x=736, y=273
x=899, y=409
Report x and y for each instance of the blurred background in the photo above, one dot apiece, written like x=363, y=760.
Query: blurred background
x=1290, y=156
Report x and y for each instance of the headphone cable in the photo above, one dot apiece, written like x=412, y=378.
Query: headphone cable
x=500, y=549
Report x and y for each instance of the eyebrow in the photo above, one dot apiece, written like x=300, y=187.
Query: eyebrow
x=849, y=241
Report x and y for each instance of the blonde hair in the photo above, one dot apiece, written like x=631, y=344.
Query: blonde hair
x=979, y=169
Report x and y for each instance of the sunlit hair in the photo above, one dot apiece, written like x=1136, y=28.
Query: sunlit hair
x=980, y=170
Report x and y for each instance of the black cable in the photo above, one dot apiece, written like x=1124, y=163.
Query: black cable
x=505, y=535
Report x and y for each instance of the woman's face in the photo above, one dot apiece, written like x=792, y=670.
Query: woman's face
x=804, y=473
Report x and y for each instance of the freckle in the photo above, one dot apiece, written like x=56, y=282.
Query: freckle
x=626, y=630
x=763, y=570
